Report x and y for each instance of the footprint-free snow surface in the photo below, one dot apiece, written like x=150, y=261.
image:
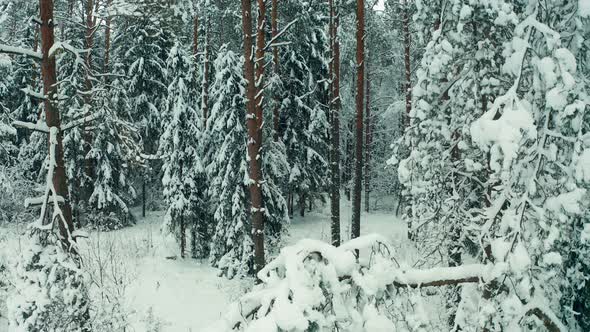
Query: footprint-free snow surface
x=161, y=290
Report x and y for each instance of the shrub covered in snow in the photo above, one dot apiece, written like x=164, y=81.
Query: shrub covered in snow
x=51, y=293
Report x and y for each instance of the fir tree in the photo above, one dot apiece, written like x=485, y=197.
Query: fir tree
x=179, y=143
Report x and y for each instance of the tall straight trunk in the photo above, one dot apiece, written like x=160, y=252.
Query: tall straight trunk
x=205, y=85
x=254, y=137
x=107, y=41
x=302, y=204
x=89, y=44
x=360, y=101
x=143, y=194
x=259, y=65
x=335, y=115
x=182, y=225
x=368, y=134
x=408, y=88
x=196, y=45
x=407, y=64
x=52, y=117
x=275, y=55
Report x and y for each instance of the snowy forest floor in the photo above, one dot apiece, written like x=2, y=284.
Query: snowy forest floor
x=184, y=295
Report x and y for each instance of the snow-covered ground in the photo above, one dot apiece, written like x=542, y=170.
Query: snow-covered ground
x=187, y=295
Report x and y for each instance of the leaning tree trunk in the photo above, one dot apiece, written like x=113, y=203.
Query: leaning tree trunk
x=360, y=98
x=254, y=135
x=335, y=117
x=52, y=117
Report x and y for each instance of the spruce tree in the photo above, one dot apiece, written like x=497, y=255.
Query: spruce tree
x=182, y=167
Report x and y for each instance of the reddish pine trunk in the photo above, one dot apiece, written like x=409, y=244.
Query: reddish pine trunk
x=360, y=98
x=254, y=135
x=335, y=116
x=368, y=142
x=52, y=118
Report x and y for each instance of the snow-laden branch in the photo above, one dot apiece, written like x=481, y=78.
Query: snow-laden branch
x=50, y=196
x=288, y=299
x=20, y=51
x=279, y=34
x=29, y=202
x=40, y=127
x=83, y=120
x=34, y=94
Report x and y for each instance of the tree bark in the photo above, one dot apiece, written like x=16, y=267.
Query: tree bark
x=407, y=63
x=335, y=116
x=275, y=55
x=368, y=134
x=107, y=40
x=360, y=98
x=254, y=130
x=89, y=44
x=205, y=85
x=52, y=117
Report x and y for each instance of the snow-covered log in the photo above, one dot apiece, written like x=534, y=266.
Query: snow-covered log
x=40, y=127
x=311, y=276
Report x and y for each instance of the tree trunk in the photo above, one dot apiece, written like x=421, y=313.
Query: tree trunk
x=275, y=55
x=182, y=235
x=408, y=88
x=335, y=116
x=205, y=85
x=302, y=204
x=408, y=71
x=368, y=140
x=253, y=118
x=89, y=44
x=143, y=194
x=360, y=98
x=52, y=117
x=107, y=41
x=196, y=47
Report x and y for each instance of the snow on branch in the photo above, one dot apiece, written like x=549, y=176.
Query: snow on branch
x=34, y=94
x=20, y=51
x=29, y=202
x=83, y=120
x=50, y=196
x=272, y=42
x=40, y=127
x=313, y=283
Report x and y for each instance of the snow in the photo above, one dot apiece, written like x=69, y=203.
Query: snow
x=184, y=295
x=570, y=202
x=20, y=51
x=504, y=134
x=584, y=8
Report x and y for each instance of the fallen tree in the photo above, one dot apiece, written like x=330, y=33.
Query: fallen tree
x=315, y=285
